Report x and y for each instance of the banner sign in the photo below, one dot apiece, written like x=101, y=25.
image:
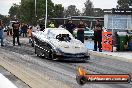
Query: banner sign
x=82, y=78
x=122, y=11
x=107, y=41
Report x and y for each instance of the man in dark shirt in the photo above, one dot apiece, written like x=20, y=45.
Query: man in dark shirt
x=80, y=32
x=42, y=27
x=24, y=29
x=16, y=26
x=70, y=26
x=98, y=36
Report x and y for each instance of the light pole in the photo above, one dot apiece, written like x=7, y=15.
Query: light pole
x=46, y=15
x=35, y=9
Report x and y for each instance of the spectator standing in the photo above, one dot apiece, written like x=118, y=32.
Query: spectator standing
x=29, y=31
x=16, y=26
x=1, y=32
x=70, y=26
x=98, y=36
x=42, y=27
x=9, y=31
x=24, y=30
x=80, y=32
x=51, y=25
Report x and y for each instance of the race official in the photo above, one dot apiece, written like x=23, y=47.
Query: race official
x=52, y=25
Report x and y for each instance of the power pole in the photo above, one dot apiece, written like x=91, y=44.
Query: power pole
x=46, y=15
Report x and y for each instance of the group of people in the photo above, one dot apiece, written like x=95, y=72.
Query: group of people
x=80, y=32
x=15, y=32
x=23, y=31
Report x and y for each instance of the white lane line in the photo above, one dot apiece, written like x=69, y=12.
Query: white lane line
x=5, y=83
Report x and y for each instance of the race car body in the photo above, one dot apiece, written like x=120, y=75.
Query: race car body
x=58, y=43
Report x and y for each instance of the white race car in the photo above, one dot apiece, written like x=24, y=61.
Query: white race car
x=59, y=44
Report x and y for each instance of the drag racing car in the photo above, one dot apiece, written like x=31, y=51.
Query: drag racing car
x=59, y=44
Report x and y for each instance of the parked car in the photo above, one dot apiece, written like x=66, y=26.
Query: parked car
x=58, y=43
x=88, y=33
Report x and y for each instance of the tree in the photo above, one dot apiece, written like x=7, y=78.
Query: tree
x=1, y=16
x=26, y=11
x=71, y=11
x=58, y=11
x=14, y=12
x=88, y=10
x=5, y=19
x=98, y=12
x=124, y=4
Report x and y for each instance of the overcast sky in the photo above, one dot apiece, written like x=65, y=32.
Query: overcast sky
x=107, y=4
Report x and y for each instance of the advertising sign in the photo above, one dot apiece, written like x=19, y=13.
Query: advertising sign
x=107, y=41
x=82, y=78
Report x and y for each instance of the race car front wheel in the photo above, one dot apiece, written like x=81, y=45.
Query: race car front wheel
x=51, y=55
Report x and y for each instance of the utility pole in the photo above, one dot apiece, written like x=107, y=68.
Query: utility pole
x=35, y=9
x=35, y=13
x=46, y=15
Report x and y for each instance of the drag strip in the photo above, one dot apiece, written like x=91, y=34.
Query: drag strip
x=21, y=61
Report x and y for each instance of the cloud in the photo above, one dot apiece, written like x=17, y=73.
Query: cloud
x=108, y=4
x=9, y=2
x=6, y=4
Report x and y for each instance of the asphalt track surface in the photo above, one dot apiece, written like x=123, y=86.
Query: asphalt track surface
x=38, y=72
